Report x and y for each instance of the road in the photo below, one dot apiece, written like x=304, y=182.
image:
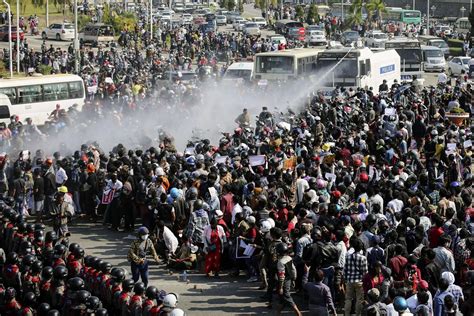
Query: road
x=201, y=296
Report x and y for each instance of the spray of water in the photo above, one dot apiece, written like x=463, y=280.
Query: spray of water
x=221, y=103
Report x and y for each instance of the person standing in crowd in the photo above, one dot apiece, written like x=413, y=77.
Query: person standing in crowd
x=355, y=268
x=137, y=255
x=320, y=298
x=60, y=212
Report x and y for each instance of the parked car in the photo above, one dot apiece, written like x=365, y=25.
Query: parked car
x=349, y=37
x=261, y=22
x=221, y=19
x=458, y=64
x=315, y=38
x=236, y=23
x=186, y=17
x=251, y=28
x=231, y=16
x=443, y=29
x=4, y=33
x=376, y=39
x=59, y=31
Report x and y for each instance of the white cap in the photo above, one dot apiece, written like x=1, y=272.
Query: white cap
x=159, y=172
x=219, y=213
x=251, y=219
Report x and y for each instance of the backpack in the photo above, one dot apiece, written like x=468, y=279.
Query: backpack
x=290, y=270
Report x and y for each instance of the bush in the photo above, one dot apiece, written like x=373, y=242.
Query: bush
x=45, y=69
x=82, y=20
x=455, y=51
x=455, y=43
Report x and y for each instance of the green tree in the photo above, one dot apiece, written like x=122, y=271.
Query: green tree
x=241, y=6
x=299, y=14
x=230, y=5
x=375, y=8
x=312, y=16
x=223, y=3
x=355, y=13
x=471, y=19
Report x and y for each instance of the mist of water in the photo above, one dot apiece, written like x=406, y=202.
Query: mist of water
x=221, y=103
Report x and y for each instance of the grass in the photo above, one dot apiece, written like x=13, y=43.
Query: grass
x=27, y=9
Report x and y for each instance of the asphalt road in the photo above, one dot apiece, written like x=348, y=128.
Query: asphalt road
x=201, y=296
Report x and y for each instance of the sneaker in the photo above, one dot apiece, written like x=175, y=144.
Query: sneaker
x=252, y=279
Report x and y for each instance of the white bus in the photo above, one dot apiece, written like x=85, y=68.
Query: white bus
x=36, y=97
x=285, y=64
x=357, y=68
x=462, y=26
x=410, y=57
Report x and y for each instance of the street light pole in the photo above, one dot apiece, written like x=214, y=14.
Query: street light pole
x=462, y=11
x=47, y=13
x=76, y=40
x=151, y=20
x=413, y=6
x=428, y=16
x=9, y=12
x=18, y=36
x=342, y=10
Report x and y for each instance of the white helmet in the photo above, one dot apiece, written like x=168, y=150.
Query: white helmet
x=265, y=226
x=177, y=312
x=271, y=221
x=170, y=300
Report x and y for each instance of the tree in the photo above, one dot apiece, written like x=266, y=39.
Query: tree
x=355, y=13
x=299, y=14
x=471, y=19
x=312, y=16
x=376, y=7
x=241, y=6
x=223, y=3
x=230, y=5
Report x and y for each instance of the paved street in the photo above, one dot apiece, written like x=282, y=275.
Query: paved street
x=201, y=296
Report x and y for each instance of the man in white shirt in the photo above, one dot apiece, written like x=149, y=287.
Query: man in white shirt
x=301, y=185
x=112, y=213
x=61, y=176
x=442, y=78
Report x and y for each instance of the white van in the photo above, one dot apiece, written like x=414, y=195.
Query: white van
x=433, y=58
x=429, y=40
x=239, y=71
x=5, y=106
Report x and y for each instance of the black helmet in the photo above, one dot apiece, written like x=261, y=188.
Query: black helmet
x=198, y=204
x=118, y=274
x=73, y=246
x=47, y=273
x=10, y=294
x=26, y=247
x=37, y=266
x=75, y=283
x=60, y=272
x=82, y=296
x=43, y=309
x=101, y=312
x=39, y=235
x=39, y=226
x=105, y=267
x=151, y=292
x=12, y=258
x=88, y=260
x=28, y=260
x=78, y=253
x=281, y=203
x=139, y=288
x=21, y=227
x=59, y=250
x=30, y=228
x=281, y=249
x=51, y=236
x=98, y=263
x=93, y=302
x=54, y=312
x=128, y=284
x=29, y=299
x=312, y=182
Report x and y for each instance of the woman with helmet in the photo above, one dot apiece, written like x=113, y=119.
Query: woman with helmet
x=137, y=255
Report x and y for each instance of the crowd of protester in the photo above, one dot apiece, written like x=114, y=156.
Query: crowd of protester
x=369, y=212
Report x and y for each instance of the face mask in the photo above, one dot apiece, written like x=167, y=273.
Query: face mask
x=144, y=237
